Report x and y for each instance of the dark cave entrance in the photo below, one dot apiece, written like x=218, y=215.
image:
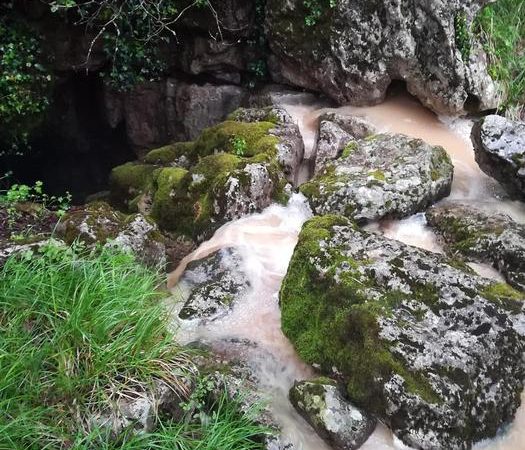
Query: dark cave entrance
x=74, y=149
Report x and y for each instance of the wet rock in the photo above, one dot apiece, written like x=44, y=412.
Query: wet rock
x=335, y=132
x=353, y=50
x=231, y=369
x=417, y=339
x=499, y=146
x=485, y=237
x=237, y=167
x=214, y=284
x=98, y=223
x=381, y=176
x=341, y=424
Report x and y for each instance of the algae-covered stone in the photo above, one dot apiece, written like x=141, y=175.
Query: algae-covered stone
x=237, y=167
x=336, y=420
x=486, y=237
x=213, y=284
x=434, y=350
x=381, y=176
x=499, y=146
x=129, y=181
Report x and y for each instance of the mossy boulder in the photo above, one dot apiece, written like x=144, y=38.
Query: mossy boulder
x=237, y=167
x=434, y=350
x=98, y=223
x=490, y=238
x=335, y=419
x=385, y=175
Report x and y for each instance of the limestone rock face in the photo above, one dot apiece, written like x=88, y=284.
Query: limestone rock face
x=381, y=176
x=335, y=133
x=341, y=424
x=237, y=167
x=421, y=341
x=352, y=50
x=491, y=238
x=214, y=283
x=499, y=146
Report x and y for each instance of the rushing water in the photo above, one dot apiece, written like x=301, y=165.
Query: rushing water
x=266, y=242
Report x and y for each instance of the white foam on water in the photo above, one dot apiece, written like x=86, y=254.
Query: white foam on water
x=266, y=242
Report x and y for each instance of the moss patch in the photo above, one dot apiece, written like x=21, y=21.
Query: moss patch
x=335, y=325
x=170, y=153
x=129, y=180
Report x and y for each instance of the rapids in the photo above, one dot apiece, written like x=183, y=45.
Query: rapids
x=266, y=242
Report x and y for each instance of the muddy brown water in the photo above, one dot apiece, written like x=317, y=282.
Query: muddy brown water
x=266, y=242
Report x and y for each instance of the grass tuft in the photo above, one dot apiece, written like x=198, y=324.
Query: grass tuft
x=79, y=331
x=502, y=28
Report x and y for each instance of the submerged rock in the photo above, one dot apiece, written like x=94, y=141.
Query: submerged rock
x=490, y=238
x=419, y=340
x=214, y=284
x=335, y=132
x=381, y=176
x=232, y=169
x=341, y=424
x=353, y=50
x=499, y=146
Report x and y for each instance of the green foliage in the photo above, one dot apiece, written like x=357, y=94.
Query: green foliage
x=41, y=202
x=239, y=145
x=502, y=29
x=134, y=34
x=315, y=9
x=462, y=34
x=79, y=330
x=24, y=84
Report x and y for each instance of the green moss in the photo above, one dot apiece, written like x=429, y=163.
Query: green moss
x=171, y=204
x=170, y=153
x=211, y=167
x=335, y=325
x=505, y=295
x=219, y=138
x=379, y=175
x=129, y=180
x=347, y=151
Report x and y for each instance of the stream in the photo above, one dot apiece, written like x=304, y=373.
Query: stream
x=266, y=242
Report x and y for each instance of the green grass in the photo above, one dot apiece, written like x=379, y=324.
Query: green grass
x=502, y=26
x=77, y=328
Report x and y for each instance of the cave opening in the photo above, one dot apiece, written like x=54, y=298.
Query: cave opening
x=74, y=148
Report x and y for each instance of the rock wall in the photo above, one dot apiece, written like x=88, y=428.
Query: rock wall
x=357, y=48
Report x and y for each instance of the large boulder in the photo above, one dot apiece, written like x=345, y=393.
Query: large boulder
x=485, y=237
x=334, y=133
x=499, y=146
x=381, y=176
x=433, y=349
x=235, y=168
x=341, y=424
x=353, y=50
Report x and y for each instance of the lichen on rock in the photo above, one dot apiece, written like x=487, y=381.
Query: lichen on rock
x=380, y=176
x=341, y=424
x=434, y=350
x=477, y=235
